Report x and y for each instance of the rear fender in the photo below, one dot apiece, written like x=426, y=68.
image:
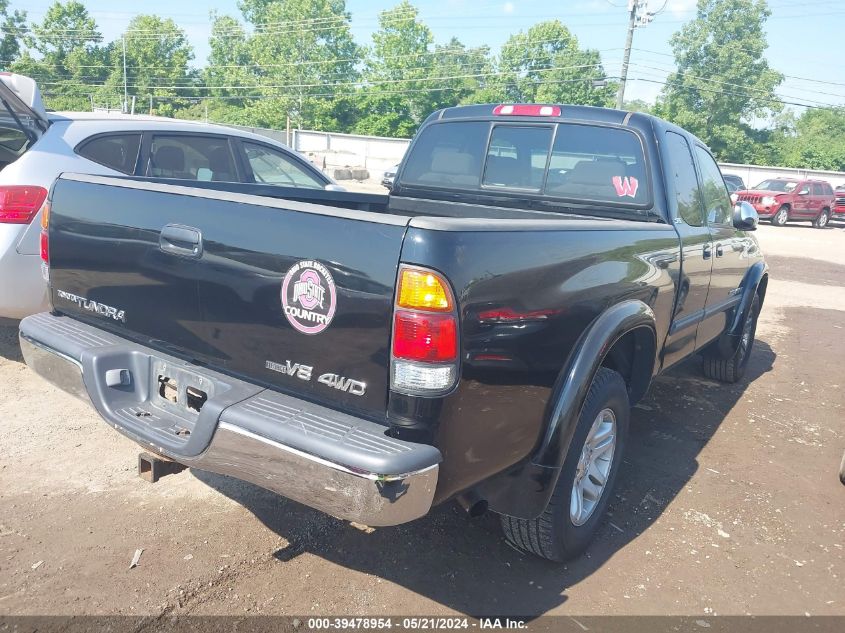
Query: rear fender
x=525, y=489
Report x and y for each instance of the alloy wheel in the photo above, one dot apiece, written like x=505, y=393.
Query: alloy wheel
x=593, y=470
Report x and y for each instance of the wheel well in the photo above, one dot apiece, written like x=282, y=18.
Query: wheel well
x=761, y=288
x=632, y=355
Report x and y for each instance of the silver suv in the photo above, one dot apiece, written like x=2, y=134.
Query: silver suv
x=36, y=146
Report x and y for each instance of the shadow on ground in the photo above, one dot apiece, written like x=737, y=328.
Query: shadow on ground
x=10, y=349
x=465, y=564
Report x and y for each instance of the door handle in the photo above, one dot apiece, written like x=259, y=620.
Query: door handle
x=706, y=252
x=719, y=250
x=184, y=241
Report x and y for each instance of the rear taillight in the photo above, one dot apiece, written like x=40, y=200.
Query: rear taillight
x=426, y=337
x=20, y=203
x=45, y=242
x=425, y=334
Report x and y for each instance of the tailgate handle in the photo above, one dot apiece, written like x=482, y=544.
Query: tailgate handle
x=181, y=240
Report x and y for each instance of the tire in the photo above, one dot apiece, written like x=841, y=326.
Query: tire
x=822, y=220
x=732, y=370
x=781, y=216
x=555, y=534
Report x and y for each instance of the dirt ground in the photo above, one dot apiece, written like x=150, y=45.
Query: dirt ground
x=729, y=502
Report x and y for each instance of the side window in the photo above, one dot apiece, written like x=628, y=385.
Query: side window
x=717, y=203
x=116, y=151
x=827, y=190
x=273, y=167
x=682, y=170
x=803, y=189
x=516, y=157
x=191, y=158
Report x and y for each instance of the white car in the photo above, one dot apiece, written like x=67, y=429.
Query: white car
x=36, y=146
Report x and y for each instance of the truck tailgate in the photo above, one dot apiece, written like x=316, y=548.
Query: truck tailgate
x=291, y=295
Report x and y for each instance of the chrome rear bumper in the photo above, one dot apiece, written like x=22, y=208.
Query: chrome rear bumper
x=354, y=472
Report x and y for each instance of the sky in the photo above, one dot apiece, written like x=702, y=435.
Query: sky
x=803, y=37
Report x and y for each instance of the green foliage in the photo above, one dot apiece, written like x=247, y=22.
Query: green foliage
x=157, y=56
x=296, y=60
x=11, y=34
x=815, y=140
x=546, y=65
x=722, y=82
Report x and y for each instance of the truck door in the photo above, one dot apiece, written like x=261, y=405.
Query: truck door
x=730, y=248
x=696, y=252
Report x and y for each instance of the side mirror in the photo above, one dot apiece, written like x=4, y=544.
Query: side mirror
x=804, y=192
x=745, y=216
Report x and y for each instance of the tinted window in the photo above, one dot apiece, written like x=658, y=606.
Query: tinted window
x=448, y=155
x=591, y=162
x=12, y=138
x=817, y=189
x=682, y=171
x=191, y=158
x=119, y=151
x=273, y=167
x=516, y=157
x=717, y=203
x=786, y=186
x=827, y=189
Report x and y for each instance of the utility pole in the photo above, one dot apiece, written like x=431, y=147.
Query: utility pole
x=125, y=88
x=635, y=19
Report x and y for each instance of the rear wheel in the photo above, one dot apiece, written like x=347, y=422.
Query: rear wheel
x=823, y=218
x=733, y=369
x=586, y=480
x=780, y=218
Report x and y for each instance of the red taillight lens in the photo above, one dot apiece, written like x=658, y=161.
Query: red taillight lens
x=20, y=203
x=45, y=247
x=425, y=337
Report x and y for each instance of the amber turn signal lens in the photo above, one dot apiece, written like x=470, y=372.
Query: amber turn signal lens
x=45, y=215
x=424, y=290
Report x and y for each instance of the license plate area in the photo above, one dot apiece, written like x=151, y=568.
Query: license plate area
x=179, y=392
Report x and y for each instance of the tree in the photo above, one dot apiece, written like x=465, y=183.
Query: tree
x=546, y=65
x=396, y=95
x=304, y=55
x=814, y=140
x=70, y=57
x=12, y=27
x=722, y=82
x=157, y=56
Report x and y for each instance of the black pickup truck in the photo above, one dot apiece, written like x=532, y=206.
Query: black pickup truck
x=480, y=334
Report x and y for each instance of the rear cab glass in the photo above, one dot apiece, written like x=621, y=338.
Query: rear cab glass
x=580, y=163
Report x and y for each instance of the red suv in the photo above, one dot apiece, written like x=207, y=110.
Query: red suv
x=791, y=199
x=839, y=205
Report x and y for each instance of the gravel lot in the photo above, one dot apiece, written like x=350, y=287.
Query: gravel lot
x=729, y=502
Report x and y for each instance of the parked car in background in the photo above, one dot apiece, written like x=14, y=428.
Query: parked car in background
x=733, y=183
x=839, y=202
x=783, y=200
x=36, y=146
x=389, y=176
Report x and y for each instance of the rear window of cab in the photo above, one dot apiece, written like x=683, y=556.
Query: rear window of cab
x=567, y=161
